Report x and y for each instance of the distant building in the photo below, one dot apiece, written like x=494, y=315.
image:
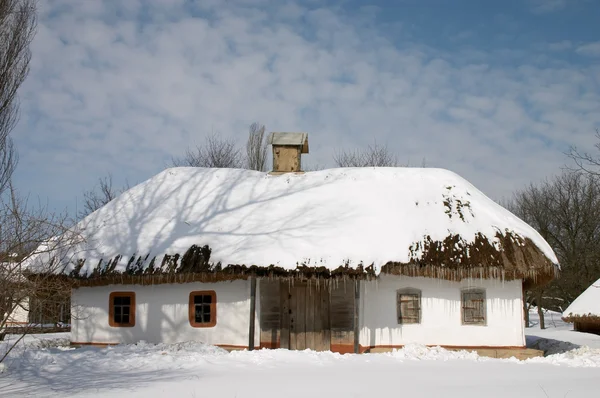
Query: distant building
x=584, y=312
x=24, y=306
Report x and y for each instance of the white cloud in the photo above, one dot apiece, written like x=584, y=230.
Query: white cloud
x=463, y=35
x=544, y=6
x=589, y=49
x=560, y=45
x=117, y=95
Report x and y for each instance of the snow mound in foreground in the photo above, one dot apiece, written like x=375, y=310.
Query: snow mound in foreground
x=579, y=357
x=421, y=352
x=184, y=348
x=190, y=355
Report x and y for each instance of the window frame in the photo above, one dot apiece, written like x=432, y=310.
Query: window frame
x=213, y=309
x=463, y=303
x=111, y=309
x=407, y=292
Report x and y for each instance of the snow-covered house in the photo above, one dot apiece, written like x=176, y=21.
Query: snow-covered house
x=348, y=260
x=26, y=303
x=584, y=311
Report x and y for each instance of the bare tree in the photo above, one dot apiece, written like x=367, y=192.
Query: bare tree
x=100, y=195
x=586, y=161
x=216, y=152
x=17, y=30
x=23, y=229
x=373, y=156
x=566, y=212
x=33, y=292
x=256, y=148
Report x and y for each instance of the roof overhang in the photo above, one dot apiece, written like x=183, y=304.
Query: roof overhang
x=289, y=139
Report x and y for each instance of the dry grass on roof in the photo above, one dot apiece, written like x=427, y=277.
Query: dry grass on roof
x=588, y=319
x=216, y=273
x=452, y=259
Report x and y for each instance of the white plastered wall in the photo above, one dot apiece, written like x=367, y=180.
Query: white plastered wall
x=441, y=322
x=162, y=314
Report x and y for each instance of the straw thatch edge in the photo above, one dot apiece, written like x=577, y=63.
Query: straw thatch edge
x=508, y=257
x=589, y=318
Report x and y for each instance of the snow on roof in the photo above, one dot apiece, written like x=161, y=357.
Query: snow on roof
x=248, y=217
x=586, y=305
x=322, y=218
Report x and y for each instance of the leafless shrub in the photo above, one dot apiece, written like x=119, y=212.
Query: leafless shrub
x=100, y=195
x=219, y=152
x=373, y=156
x=17, y=30
x=216, y=152
x=256, y=148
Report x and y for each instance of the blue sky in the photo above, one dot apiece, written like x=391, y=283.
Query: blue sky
x=495, y=91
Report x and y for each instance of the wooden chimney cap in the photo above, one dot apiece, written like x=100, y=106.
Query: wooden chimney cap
x=289, y=139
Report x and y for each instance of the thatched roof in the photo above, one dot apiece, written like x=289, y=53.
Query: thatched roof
x=586, y=307
x=351, y=221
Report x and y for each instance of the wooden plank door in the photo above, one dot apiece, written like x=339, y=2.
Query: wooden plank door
x=298, y=318
x=301, y=315
x=322, y=327
x=310, y=314
x=342, y=317
x=270, y=313
x=304, y=317
x=285, y=297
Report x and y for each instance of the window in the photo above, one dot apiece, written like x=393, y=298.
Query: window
x=203, y=309
x=473, y=307
x=121, y=309
x=408, y=306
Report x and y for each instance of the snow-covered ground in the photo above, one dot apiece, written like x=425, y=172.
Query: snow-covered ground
x=44, y=365
x=559, y=336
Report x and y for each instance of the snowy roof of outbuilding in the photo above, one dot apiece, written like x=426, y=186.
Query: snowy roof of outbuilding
x=586, y=306
x=417, y=221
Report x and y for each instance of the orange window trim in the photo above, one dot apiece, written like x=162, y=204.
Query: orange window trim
x=111, y=310
x=213, y=309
